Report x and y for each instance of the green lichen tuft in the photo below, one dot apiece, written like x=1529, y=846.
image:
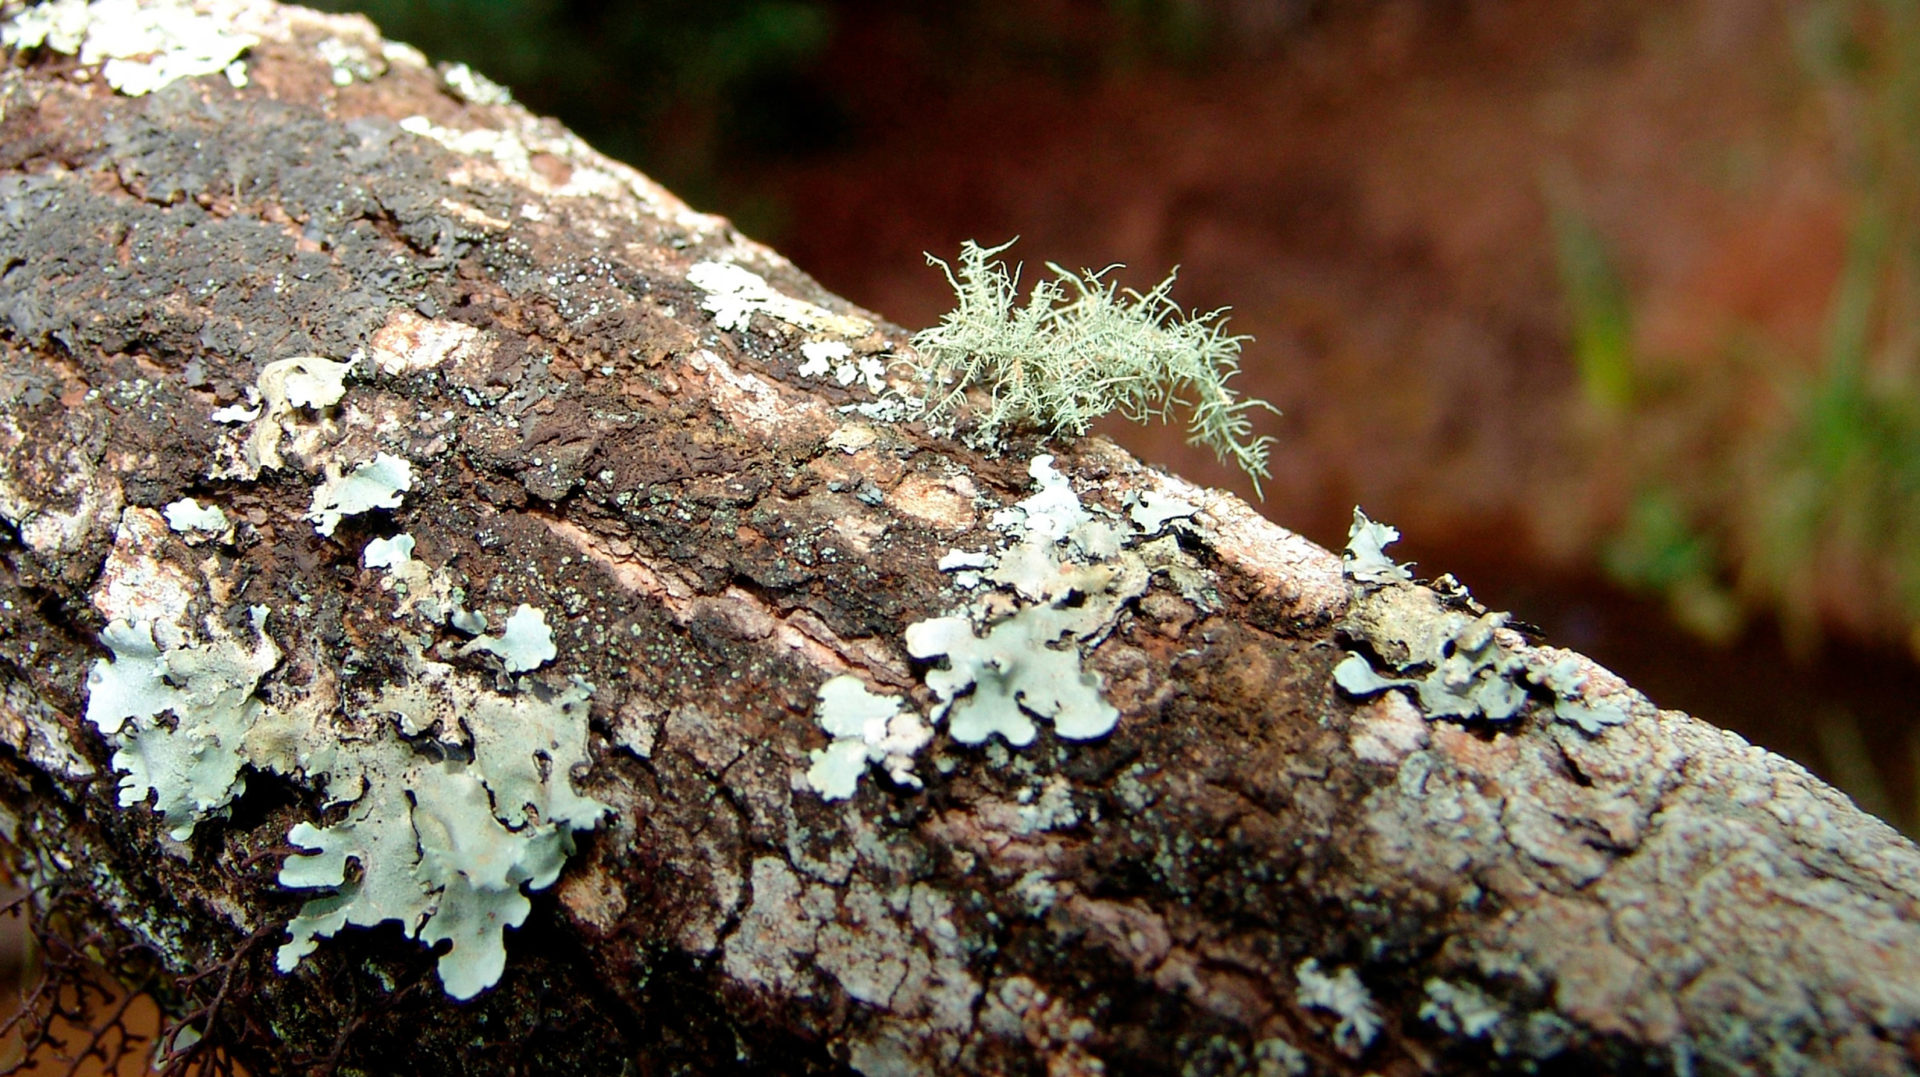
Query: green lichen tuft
x=1079, y=348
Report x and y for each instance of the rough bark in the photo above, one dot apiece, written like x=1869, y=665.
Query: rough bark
x=712, y=534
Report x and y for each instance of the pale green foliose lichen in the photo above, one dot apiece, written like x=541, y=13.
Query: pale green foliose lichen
x=1079, y=349
x=1154, y=510
x=1445, y=649
x=376, y=484
x=391, y=554
x=460, y=797
x=1070, y=570
x=866, y=728
x=1011, y=672
x=1463, y=673
x=188, y=515
x=1365, y=559
x=524, y=643
x=446, y=848
x=192, y=769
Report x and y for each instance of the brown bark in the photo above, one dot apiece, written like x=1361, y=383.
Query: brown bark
x=712, y=535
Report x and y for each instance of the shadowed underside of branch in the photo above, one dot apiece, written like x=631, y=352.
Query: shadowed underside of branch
x=631, y=433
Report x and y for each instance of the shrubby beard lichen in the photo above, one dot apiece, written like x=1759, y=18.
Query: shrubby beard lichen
x=1079, y=348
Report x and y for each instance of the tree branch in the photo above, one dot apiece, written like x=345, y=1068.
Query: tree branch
x=1251, y=872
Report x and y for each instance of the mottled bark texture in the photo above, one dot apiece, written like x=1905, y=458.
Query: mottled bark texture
x=712, y=533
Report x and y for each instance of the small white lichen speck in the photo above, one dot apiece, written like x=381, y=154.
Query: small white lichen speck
x=187, y=514
x=473, y=87
x=834, y=357
x=735, y=294
x=1460, y=1009
x=391, y=554
x=1343, y=995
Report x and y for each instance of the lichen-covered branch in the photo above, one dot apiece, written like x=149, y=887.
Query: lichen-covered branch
x=462, y=611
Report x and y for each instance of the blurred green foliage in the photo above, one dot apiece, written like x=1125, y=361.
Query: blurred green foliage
x=1658, y=549
x=1846, y=461
x=1806, y=506
x=1597, y=307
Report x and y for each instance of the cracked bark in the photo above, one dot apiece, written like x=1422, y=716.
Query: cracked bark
x=713, y=537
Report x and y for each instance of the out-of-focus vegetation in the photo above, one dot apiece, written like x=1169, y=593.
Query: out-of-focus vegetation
x=1772, y=482
x=1838, y=493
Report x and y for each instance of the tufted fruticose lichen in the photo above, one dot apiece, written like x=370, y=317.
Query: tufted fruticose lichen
x=1078, y=349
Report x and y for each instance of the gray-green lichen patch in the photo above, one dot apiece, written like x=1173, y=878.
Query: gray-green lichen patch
x=376, y=484
x=459, y=796
x=1566, y=677
x=1067, y=571
x=1456, y=668
x=446, y=847
x=138, y=47
x=1365, y=560
x=303, y=381
x=192, y=768
x=1152, y=510
x=1455, y=657
x=865, y=728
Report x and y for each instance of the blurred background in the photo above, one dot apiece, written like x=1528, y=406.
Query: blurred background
x=1612, y=306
